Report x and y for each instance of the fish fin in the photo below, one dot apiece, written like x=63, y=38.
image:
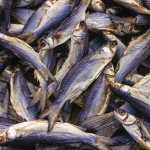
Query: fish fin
x=95, y=57
x=103, y=142
x=86, y=15
x=115, y=24
x=39, y=96
x=52, y=112
x=46, y=74
x=105, y=125
x=122, y=147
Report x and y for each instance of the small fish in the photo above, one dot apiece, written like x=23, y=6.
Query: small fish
x=79, y=78
x=49, y=59
x=138, y=129
x=137, y=50
x=20, y=95
x=66, y=28
x=47, y=17
x=104, y=21
x=79, y=48
x=133, y=5
x=62, y=133
x=97, y=5
x=98, y=98
x=25, y=52
x=22, y=15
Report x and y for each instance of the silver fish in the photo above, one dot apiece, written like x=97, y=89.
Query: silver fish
x=97, y=5
x=103, y=21
x=79, y=48
x=20, y=96
x=138, y=49
x=79, y=78
x=65, y=30
x=98, y=98
x=47, y=17
x=133, y=5
x=25, y=52
x=138, y=129
x=22, y=15
x=62, y=133
x=40, y=96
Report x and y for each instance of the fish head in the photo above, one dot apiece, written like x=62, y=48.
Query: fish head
x=112, y=45
x=98, y=5
x=124, y=117
x=130, y=28
x=117, y=87
x=80, y=32
x=45, y=44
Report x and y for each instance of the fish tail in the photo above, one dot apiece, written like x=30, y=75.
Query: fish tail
x=103, y=143
x=52, y=112
x=39, y=96
x=46, y=74
x=105, y=125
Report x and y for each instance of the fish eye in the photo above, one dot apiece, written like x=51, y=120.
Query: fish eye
x=82, y=24
x=42, y=44
x=121, y=112
x=113, y=43
x=137, y=27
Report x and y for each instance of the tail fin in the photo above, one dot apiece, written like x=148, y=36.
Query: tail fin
x=39, y=96
x=105, y=125
x=45, y=73
x=52, y=112
x=103, y=143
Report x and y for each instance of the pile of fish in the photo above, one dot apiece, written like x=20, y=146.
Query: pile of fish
x=74, y=74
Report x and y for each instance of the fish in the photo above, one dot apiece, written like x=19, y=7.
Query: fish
x=104, y=21
x=133, y=5
x=27, y=53
x=49, y=59
x=47, y=17
x=79, y=48
x=62, y=133
x=98, y=98
x=138, y=129
x=79, y=78
x=138, y=49
x=66, y=28
x=20, y=96
x=22, y=15
x=97, y=5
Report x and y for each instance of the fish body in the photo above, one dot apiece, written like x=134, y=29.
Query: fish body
x=98, y=98
x=62, y=133
x=20, y=96
x=137, y=50
x=25, y=52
